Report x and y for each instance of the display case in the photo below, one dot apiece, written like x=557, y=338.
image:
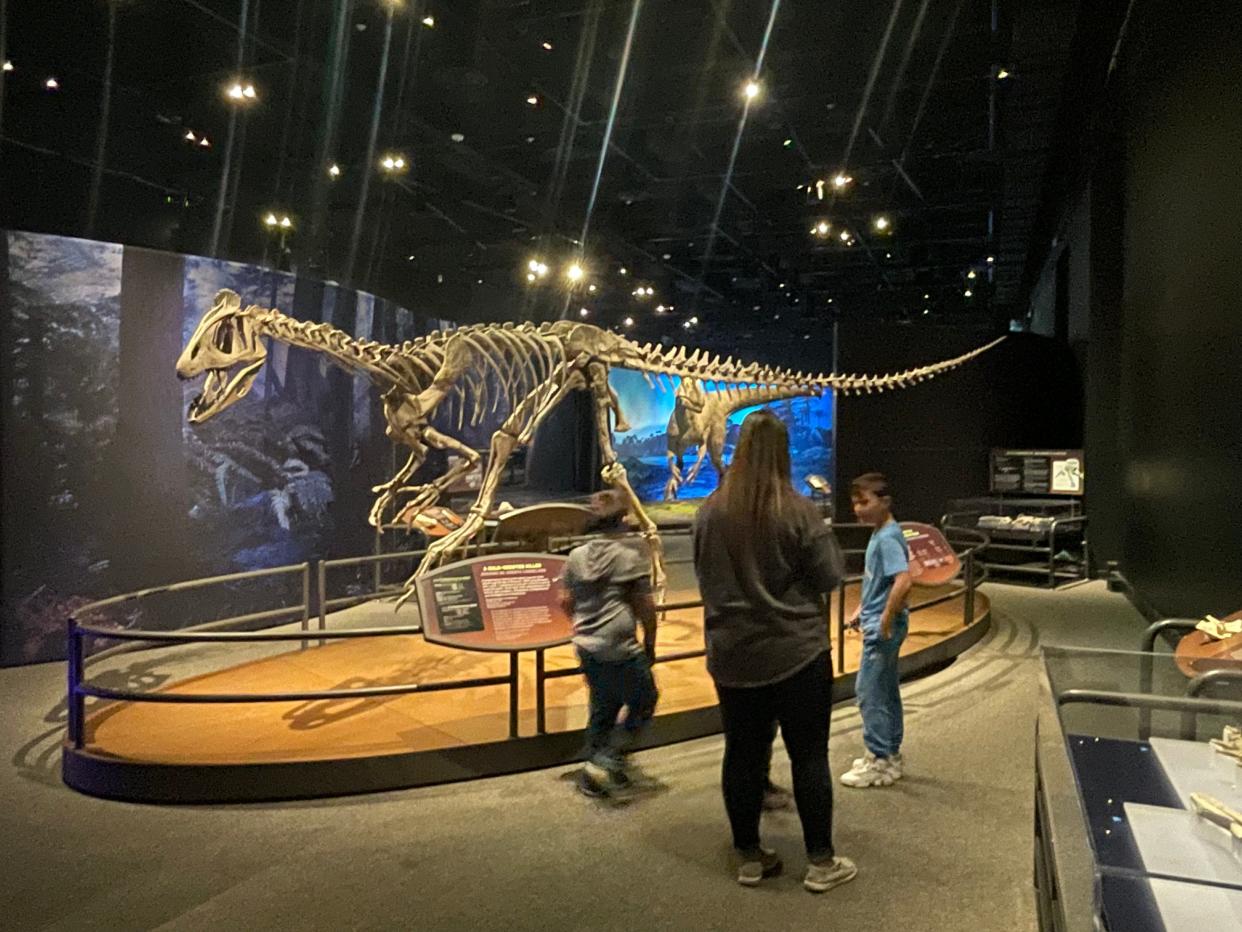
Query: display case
x=1032, y=539
x=1123, y=768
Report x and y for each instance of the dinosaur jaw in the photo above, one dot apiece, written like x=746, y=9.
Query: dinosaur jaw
x=219, y=391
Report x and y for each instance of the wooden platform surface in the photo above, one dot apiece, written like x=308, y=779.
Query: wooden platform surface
x=346, y=728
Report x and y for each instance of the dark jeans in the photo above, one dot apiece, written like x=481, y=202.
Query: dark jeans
x=802, y=705
x=614, y=685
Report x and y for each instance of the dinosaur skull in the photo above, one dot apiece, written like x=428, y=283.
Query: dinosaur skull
x=225, y=339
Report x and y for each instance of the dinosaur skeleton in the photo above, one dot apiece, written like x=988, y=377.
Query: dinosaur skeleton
x=473, y=371
x=700, y=419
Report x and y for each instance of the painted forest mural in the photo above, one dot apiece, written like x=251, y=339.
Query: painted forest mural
x=106, y=488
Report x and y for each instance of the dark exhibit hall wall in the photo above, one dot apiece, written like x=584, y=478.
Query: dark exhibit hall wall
x=106, y=487
x=933, y=439
x=1164, y=418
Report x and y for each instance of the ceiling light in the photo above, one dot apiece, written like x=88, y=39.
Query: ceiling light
x=1002, y=74
x=694, y=319
x=530, y=276
x=574, y=273
x=270, y=220
x=830, y=300
x=248, y=92
x=926, y=297
x=841, y=180
x=334, y=170
x=547, y=46
x=845, y=236
x=8, y=66
x=823, y=228
x=624, y=270
x=629, y=321
x=204, y=143
x=881, y=223
x=751, y=89
x=429, y=21
x=991, y=259
x=787, y=143
x=968, y=293
x=971, y=275
x=52, y=84
x=650, y=290
x=667, y=256
x=659, y=308
x=458, y=137
x=927, y=310
x=286, y=223
x=686, y=325
x=584, y=313
x=888, y=255
x=189, y=136
x=533, y=100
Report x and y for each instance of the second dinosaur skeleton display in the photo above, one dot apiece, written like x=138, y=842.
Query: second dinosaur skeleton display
x=488, y=369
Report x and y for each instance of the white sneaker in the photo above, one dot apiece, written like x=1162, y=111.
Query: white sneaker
x=823, y=877
x=875, y=772
x=896, y=763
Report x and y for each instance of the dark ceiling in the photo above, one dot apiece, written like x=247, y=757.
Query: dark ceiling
x=903, y=96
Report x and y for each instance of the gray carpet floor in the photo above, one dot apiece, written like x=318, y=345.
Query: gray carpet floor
x=947, y=848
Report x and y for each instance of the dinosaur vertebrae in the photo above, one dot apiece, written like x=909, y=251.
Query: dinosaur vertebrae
x=705, y=367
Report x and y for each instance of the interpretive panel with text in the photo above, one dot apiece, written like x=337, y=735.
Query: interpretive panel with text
x=933, y=561
x=505, y=603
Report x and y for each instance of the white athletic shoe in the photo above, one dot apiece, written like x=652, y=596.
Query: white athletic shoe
x=874, y=772
x=896, y=763
x=823, y=877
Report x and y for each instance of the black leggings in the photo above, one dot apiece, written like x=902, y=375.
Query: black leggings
x=802, y=704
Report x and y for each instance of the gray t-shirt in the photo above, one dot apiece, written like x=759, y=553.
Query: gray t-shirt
x=602, y=576
x=764, y=617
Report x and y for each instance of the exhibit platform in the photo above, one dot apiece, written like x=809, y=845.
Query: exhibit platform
x=244, y=751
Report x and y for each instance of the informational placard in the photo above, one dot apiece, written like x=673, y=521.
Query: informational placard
x=933, y=561
x=508, y=602
x=1038, y=472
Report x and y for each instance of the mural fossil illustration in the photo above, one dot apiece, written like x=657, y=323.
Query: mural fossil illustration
x=526, y=369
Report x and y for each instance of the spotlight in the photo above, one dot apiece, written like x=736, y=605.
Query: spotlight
x=660, y=309
x=823, y=228
x=787, y=143
x=533, y=100
x=334, y=170
x=991, y=259
x=926, y=297
x=574, y=273
x=189, y=136
x=650, y=291
x=547, y=46
x=629, y=322
x=52, y=84
x=393, y=162
x=458, y=137
x=204, y=143
x=686, y=325
x=429, y=21
x=881, y=223
x=241, y=92
x=751, y=89
x=845, y=236
x=592, y=289
x=530, y=276
x=1002, y=74
x=624, y=270
x=968, y=293
x=8, y=66
x=971, y=275
x=584, y=313
x=286, y=223
x=270, y=220
x=248, y=92
x=841, y=181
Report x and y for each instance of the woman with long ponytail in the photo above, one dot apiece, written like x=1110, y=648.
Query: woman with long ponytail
x=765, y=560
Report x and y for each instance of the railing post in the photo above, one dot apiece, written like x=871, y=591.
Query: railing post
x=541, y=702
x=513, y=694
x=841, y=629
x=377, y=572
x=75, y=702
x=323, y=598
x=306, y=597
x=1052, y=560
x=968, y=602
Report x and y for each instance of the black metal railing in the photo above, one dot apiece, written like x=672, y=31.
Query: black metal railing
x=137, y=639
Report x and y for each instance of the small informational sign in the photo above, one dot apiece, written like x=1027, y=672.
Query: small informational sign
x=1037, y=472
x=933, y=561
x=509, y=602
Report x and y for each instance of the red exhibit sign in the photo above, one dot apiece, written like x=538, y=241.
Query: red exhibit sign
x=933, y=561
x=509, y=602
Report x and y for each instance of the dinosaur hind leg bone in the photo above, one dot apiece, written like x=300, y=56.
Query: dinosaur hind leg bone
x=516, y=431
x=614, y=474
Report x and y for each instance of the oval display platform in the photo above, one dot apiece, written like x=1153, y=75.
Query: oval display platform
x=199, y=753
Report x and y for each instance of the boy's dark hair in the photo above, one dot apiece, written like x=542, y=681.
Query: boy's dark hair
x=609, y=507
x=874, y=482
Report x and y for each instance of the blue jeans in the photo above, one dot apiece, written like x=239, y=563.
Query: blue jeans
x=879, y=695
x=614, y=685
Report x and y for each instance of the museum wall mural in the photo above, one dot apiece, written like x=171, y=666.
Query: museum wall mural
x=106, y=488
x=657, y=416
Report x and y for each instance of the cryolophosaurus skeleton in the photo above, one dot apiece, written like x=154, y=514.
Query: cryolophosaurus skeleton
x=473, y=371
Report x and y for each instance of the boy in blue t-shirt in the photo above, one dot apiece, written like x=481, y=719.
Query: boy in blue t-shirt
x=884, y=619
